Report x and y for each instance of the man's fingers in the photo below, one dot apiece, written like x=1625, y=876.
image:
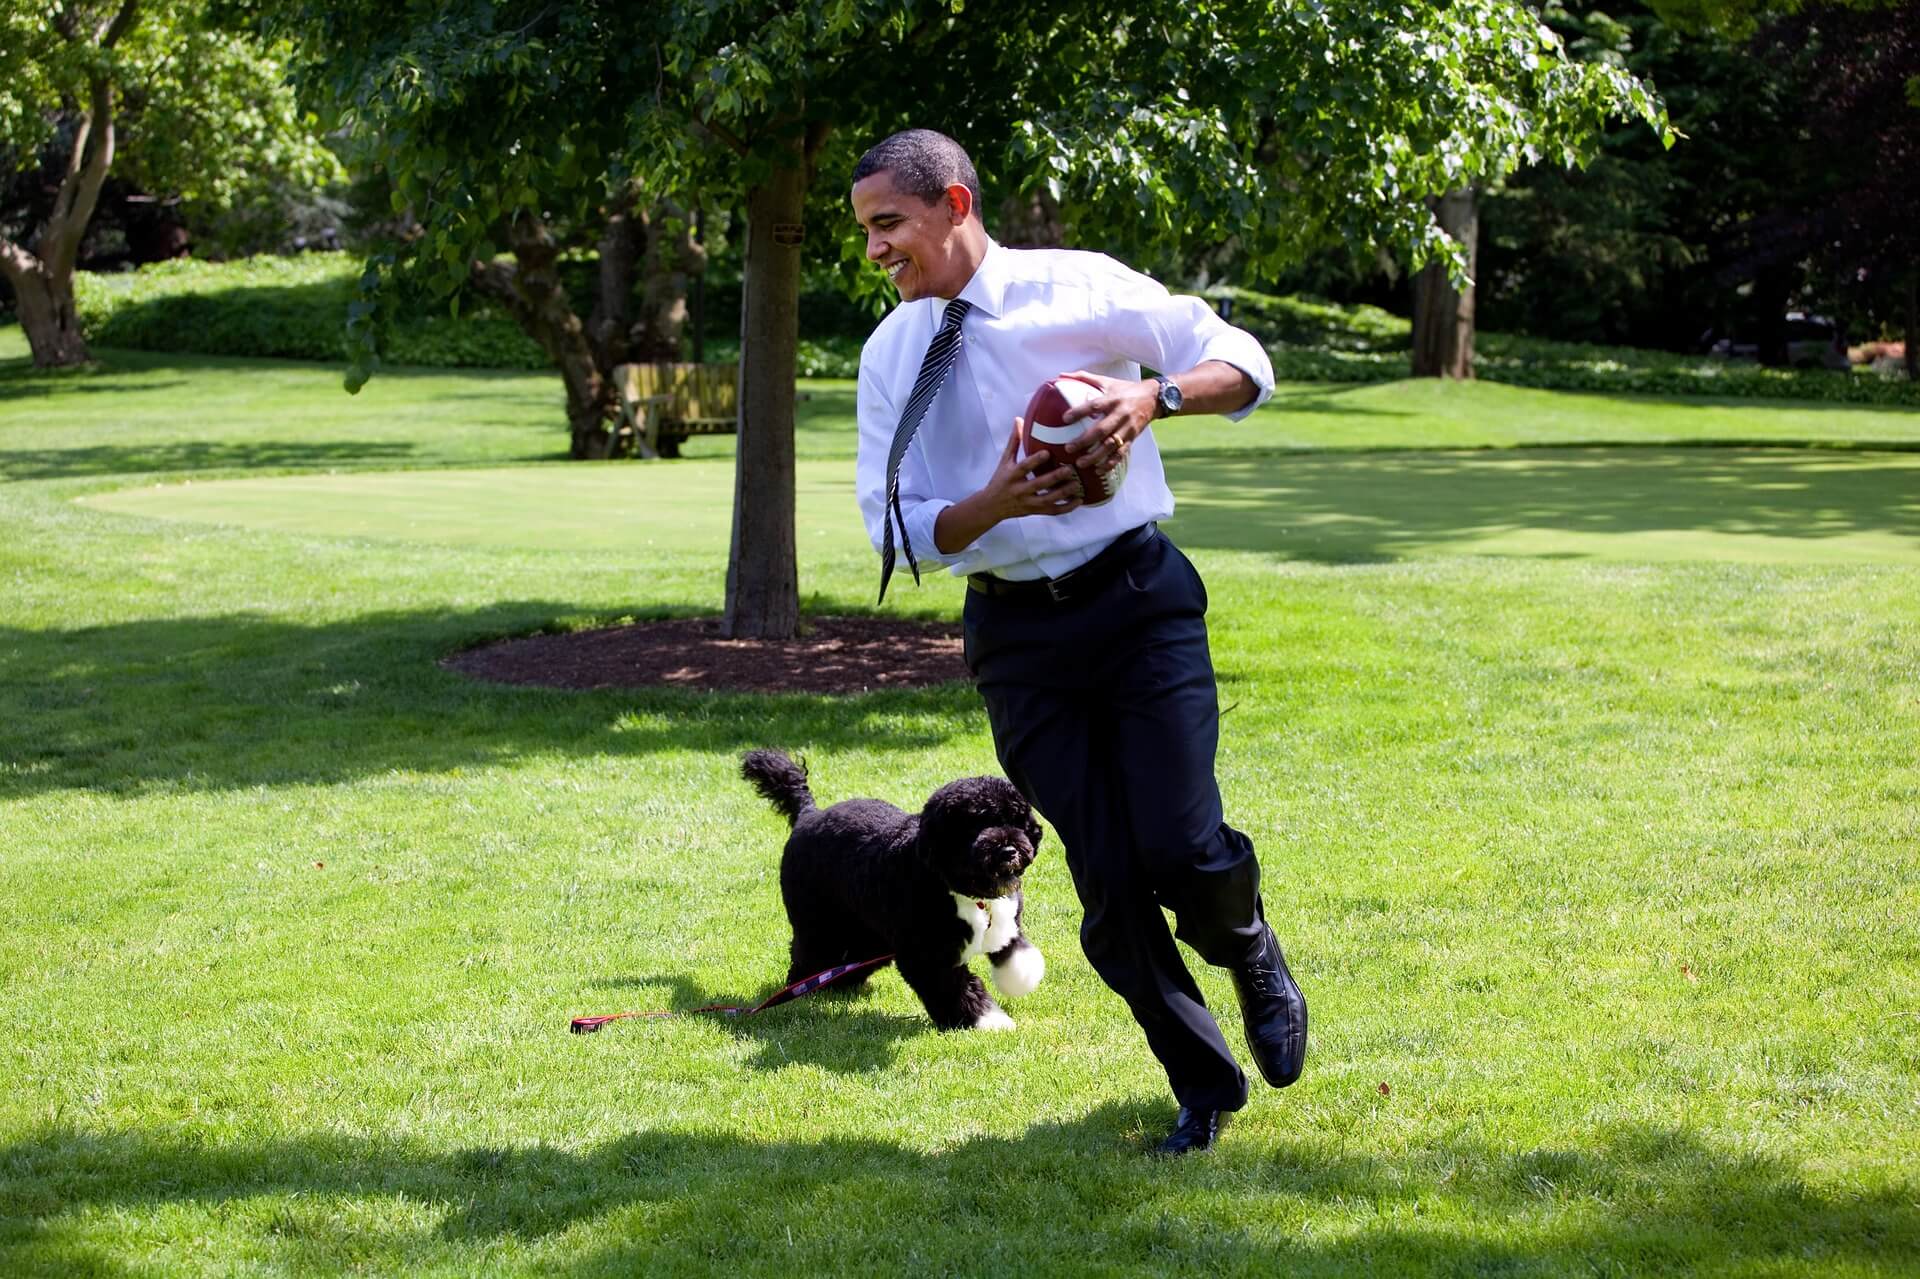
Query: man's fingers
x=1054, y=485
x=1096, y=412
x=1032, y=460
x=1013, y=440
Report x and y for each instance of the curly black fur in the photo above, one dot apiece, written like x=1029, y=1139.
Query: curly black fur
x=862, y=879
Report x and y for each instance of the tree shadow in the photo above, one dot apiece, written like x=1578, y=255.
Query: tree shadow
x=1361, y=507
x=238, y=699
x=835, y=1032
x=1326, y=398
x=197, y=455
x=1073, y=1195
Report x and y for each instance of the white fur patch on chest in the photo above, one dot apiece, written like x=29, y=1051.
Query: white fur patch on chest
x=992, y=927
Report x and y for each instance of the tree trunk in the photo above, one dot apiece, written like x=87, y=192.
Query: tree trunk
x=43, y=284
x=532, y=292
x=673, y=259
x=1913, y=328
x=619, y=248
x=763, y=579
x=47, y=313
x=1443, y=315
x=1031, y=222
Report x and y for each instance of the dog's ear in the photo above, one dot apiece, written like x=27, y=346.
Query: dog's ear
x=944, y=813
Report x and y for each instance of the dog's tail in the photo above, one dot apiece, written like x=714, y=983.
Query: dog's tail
x=782, y=781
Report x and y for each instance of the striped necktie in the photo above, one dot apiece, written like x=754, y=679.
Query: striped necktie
x=940, y=357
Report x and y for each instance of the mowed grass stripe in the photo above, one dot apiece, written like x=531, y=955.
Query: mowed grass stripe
x=1749, y=505
x=1603, y=870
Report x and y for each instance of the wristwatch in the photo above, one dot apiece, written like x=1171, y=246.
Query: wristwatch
x=1169, y=400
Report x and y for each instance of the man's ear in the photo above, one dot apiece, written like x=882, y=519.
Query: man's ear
x=959, y=203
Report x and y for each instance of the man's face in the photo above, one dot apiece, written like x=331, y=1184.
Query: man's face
x=919, y=244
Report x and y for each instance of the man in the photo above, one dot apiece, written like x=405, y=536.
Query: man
x=1085, y=627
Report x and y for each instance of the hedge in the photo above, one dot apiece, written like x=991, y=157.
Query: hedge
x=294, y=308
x=1312, y=341
x=288, y=307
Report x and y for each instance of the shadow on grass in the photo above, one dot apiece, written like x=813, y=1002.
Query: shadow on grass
x=851, y=1040
x=1077, y=1196
x=240, y=700
x=1382, y=505
x=1326, y=398
x=197, y=455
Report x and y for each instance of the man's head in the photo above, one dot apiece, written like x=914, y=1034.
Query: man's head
x=918, y=199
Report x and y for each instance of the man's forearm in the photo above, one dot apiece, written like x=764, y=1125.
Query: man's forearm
x=961, y=525
x=1214, y=386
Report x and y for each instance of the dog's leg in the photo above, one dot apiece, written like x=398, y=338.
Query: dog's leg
x=1018, y=967
x=815, y=953
x=954, y=997
x=812, y=955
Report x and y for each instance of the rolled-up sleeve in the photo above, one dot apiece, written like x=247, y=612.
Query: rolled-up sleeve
x=1173, y=332
x=878, y=418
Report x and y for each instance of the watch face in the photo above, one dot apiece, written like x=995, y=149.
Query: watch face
x=1170, y=397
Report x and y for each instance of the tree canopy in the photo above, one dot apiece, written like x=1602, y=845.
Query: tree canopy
x=160, y=94
x=1283, y=126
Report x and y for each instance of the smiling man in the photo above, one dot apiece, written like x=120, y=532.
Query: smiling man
x=1085, y=627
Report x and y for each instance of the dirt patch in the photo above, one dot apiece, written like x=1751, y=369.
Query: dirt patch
x=835, y=655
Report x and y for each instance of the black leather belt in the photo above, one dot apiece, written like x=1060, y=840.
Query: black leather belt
x=1070, y=585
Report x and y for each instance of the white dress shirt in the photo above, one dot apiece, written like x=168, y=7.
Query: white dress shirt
x=1037, y=313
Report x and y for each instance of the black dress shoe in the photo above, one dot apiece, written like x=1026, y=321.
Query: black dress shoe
x=1274, y=1013
x=1195, y=1130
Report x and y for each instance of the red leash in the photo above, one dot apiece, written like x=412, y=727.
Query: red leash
x=805, y=986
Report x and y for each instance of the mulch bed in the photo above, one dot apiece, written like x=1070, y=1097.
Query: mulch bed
x=835, y=655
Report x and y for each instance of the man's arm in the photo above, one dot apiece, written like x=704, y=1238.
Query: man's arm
x=1013, y=491
x=1126, y=408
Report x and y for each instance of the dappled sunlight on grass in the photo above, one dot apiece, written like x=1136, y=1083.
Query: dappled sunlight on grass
x=1583, y=781
x=1777, y=506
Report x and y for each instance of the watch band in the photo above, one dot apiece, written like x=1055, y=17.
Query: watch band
x=1169, y=400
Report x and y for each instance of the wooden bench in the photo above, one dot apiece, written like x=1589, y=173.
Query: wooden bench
x=662, y=404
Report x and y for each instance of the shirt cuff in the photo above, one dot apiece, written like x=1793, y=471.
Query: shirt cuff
x=919, y=520
x=1258, y=372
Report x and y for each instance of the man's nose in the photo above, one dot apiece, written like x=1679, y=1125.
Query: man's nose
x=876, y=248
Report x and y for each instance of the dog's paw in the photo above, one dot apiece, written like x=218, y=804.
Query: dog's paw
x=993, y=1019
x=1021, y=973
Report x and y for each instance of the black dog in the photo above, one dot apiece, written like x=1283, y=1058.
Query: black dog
x=863, y=879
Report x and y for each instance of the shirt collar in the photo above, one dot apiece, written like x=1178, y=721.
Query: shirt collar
x=987, y=290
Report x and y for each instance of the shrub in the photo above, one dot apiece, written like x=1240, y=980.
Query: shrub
x=294, y=308
x=1312, y=341
x=287, y=307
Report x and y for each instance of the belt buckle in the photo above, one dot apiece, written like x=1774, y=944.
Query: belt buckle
x=1059, y=590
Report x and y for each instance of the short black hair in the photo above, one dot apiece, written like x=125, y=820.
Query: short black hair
x=924, y=164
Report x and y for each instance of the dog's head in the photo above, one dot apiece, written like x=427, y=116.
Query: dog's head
x=978, y=835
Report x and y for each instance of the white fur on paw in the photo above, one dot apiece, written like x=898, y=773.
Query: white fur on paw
x=1021, y=973
x=994, y=1019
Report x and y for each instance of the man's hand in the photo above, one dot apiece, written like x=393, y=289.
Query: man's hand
x=1121, y=411
x=1013, y=491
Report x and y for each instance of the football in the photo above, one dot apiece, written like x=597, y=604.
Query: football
x=1046, y=432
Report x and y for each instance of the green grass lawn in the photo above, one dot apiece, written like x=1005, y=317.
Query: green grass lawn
x=1584, y=781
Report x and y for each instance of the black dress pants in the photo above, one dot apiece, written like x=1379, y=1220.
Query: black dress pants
x=1105, y=715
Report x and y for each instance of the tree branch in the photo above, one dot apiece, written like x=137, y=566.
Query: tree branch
x=80, y=189
x=724, y=134
x=15, y=262
x=122, y=22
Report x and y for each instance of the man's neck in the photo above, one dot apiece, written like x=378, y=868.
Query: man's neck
x=973, y=251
